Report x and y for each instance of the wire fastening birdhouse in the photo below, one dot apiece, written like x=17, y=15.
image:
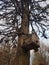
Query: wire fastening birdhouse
x=31, y=42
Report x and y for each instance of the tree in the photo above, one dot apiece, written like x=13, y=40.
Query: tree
x=11, y=12
x=18, y=16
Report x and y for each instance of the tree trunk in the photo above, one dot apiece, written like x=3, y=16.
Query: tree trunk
x=23, y=57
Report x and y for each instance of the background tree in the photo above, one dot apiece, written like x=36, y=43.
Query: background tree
x=42, y=56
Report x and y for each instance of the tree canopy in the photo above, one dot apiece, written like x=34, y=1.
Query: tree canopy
x=11, y=12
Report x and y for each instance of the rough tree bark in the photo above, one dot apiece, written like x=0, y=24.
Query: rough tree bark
x=23, y=57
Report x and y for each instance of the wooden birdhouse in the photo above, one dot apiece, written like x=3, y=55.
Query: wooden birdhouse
x=31, y=42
